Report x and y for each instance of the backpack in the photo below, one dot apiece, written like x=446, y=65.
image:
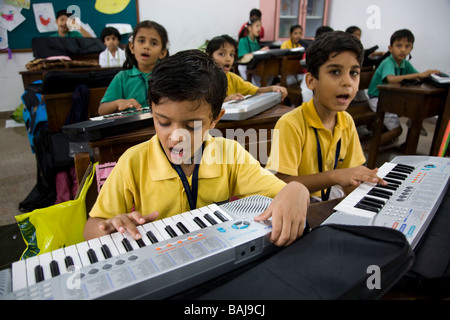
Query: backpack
x=330, y=262
x=34, y=113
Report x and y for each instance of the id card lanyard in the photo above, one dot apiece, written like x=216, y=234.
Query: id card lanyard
x=190, y=193
x=325, y=194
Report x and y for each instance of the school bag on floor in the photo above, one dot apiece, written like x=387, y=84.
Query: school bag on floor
x=331, y=262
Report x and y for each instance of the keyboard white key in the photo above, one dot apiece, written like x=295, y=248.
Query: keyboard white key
x=169, y=222
x=189, y=218
x=117, y=237
x=180, y=219
x=144, y=237
x=83, y=248
x=19, y=275
x=159, y=225
x=149, y=227
x=96, y=245
x=44, y=261
x=58, y=256
x=72, y=252
x=32, y=263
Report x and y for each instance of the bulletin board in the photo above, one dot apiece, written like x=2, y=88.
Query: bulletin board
x=20, y=38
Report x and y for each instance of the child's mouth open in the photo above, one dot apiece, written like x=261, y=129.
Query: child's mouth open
x=343, y=98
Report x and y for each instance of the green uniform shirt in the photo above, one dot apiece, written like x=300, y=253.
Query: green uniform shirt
x=128, y=84
x=388, y=67
x=246, y=45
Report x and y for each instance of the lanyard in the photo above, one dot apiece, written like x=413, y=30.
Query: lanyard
x=190, y=193
x=326, y=193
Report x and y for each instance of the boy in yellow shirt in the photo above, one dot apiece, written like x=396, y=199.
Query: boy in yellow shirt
x=223, y=49
x=318, y=144
x=183, y=167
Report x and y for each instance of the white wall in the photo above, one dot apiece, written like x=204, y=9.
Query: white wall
x=428, y=20
x=190, y=22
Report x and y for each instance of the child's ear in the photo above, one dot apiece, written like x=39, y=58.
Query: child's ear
x=310, y=81
x=130, y=45
x=214, y=122
x=163, y=54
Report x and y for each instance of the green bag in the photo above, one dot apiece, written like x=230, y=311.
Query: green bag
x=57, y=226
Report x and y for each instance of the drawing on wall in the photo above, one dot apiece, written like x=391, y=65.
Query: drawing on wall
x=19, y=3
x=111, y=6
x=3, y=39
x=10, y=16
x=44, y=16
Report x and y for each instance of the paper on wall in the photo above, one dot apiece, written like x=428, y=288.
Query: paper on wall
x=123, y=28
x=19, y=3
x=3, y=39
x=44, y=16
x=10, y=16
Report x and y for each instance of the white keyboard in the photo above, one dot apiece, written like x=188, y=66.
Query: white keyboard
x=174, y=254
x=250, y=106
x=416, y=186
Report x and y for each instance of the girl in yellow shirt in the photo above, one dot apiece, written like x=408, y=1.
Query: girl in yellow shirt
x=223, y=50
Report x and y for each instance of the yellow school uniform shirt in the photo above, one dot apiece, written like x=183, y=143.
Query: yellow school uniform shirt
x=238, y=85
x=288, y=45
x=144, y=179
x=294, y=146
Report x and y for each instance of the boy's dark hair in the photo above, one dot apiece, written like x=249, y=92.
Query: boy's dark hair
x=401, y=34
x=331, y=43
x=255, y=13
x=110, y=31
x=218, y=42
x=189, y=75
x=131, y=60
x=62, y=13
x=323, y=29
x=295, y=27
x=352, y=29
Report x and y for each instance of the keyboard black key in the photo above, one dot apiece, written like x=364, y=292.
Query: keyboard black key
x=68, y=261
x=200, y=223
x=210, y=219
x=401, y=170
x=388, y=186
x=106, y=252
x=398, y=176
x=371, y=204
x=378, y=194
x=182, y=228
x=406, y=167
x=54, y=268
x=127, y=245
x=219, y=215
x=151, y=237
x=378, y=201
x=386, y=192
x=170, y=231
x=140, y=243
x=365, y=207
x=39, y=273
x=392, y=181
x=92, y=256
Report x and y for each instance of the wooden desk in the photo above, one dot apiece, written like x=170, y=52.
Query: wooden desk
x=111, y=148
x=417, y=103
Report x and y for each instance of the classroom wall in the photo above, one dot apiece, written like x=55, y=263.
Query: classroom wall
x=428, y=20
x=190, y=22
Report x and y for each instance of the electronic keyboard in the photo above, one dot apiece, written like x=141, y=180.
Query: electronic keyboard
x=252, y=105
x=416, y=187
x=174, y=254
x=109, y=125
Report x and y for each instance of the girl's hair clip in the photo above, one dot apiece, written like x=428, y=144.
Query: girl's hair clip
x=130, y=39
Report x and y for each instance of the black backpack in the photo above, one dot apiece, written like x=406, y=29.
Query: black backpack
x=331, y=262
